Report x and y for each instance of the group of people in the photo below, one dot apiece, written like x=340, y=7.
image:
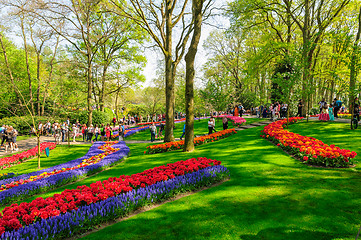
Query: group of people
x=331, y=109
x=62, y=131
x=8, y=136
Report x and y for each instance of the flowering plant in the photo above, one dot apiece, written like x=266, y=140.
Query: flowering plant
x=6, y=175
x=151, y=185
x=308, y=149
x=7, y=162
x=237, y=121
x=171, y=146
x=100, y=156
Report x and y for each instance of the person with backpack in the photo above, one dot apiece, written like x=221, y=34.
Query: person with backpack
x=121, y=131
x=337, y=106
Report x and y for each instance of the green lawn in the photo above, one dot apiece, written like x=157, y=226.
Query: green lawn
x=58, y=155
x=200, y=128
x=269, y=196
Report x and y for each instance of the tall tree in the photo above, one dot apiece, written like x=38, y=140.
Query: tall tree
x=197, y=15
x=354, y=68
x=160, y=19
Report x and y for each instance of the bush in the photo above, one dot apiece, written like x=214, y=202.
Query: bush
x=98, y=117
x=22, y=123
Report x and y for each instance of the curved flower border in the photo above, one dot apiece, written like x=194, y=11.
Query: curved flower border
x=171, y=146
x=237, y=121
x=16, y=159
x=308, y=149
x=133, y=191
x=61, y=178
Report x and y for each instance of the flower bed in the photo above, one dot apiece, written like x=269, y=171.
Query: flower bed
x=101, y=155
x=171, y=146
x=6, y=175
x=7, y=162
x=308, y=149
x=78, y=209
x=237, y=121
x=129, y=132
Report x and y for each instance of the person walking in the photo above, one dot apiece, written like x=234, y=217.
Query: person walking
x=184, y=131
x=225, y=123
x=299, y=108
x=153, y=132
x=211, y=125
x=84, y=132
x=330, y=112
x=108, y=132
x=96, y=132
x=90, y=132
x=121, y=132
x=337, y=106
x=75, y=131
x=161, y=129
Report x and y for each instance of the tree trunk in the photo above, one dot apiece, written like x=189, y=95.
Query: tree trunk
x=90, y=88
x=38, y=141
x=169, y=78
x=27, y=65
x=197, y=6
x=39, y=82
x=353, y=66
x=102, y=89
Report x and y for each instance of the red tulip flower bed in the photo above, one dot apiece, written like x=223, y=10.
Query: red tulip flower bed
x=7, y=162
x=171, y=146
x=17, y=216
x=308, y=149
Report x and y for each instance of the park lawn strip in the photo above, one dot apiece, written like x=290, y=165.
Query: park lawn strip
x=269, y=196
x=60, y=154
x=200, y=128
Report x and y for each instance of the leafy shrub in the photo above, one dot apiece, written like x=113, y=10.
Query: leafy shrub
x=98, y=117
x=23, y=123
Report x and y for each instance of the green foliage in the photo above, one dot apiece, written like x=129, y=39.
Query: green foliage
x=23, y=123
x=99, y=117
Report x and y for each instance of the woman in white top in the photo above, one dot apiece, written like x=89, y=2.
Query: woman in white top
x=75, y=131
x=211, y=125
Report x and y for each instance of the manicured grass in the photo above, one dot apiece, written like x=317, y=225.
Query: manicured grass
x=58, y=155
x=269, y=196
x=200, y=128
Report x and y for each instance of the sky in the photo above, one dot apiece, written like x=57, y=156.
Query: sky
x=154, y=55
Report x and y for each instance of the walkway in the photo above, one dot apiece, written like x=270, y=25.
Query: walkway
x=30, y=143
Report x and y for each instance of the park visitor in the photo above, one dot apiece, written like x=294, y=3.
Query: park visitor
x=90, y=132
x=102, y=132
x=322, y=104
x=108, y=131
x=121, y=132
x=153, y=132
x=211, y=125
x=330, y=112
x=84, y=132
x=75, y=131
x=225, y=123
x=337, y=105
x=184, y=131
x=299, y=108
x=161, y=129
x=96, y=132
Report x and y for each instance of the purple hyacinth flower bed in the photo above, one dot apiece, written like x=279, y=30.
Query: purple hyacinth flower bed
x=82, y=219
x=31, y=188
